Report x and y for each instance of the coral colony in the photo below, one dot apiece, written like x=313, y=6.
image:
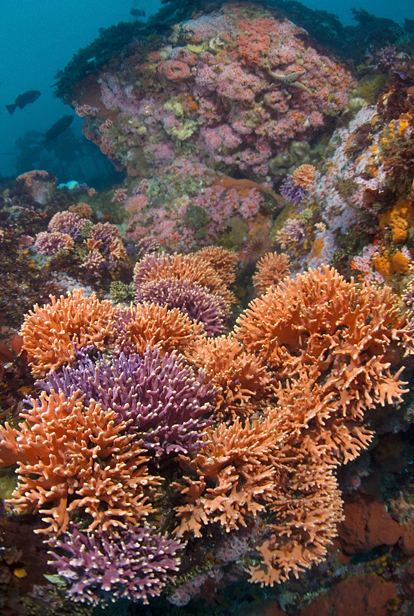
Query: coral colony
x=215, y=379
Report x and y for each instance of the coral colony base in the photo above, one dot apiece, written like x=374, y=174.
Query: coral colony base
x=206, y=371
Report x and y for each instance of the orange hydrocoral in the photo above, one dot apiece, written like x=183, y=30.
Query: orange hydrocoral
x=221, y=260
x=235, y=476
x=320, y=324
x=83, y=210
x=256, y=468
x=241, y=380
x=306, y=516
x=313, y=412
x=30, y=177
x=271, y=269
x=303, y=176
x=117, y=249
x=72, y=458
x=186, y=268
x=153, y=325
x=50, y=333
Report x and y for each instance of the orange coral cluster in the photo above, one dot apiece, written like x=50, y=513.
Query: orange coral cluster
x=70, y=459
x=51, y=333
x=317, y=324
x=247, y=469
x=304, y=175
x=156, y=326
x=240, y=378
x=83, y=210
x=209, y=269
x=271, y=269
x=295, y=379
x=30, y=177
x=359, y=326
x=222, y=261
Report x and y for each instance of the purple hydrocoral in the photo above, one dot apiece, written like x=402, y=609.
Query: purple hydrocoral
x=193, y=300
x=51, y=243
x=105, y=233
x=133, y=563
x=166, y=403
x=67, y=222
x=292, y=192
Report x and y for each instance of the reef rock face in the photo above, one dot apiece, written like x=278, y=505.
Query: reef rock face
x=231, y=89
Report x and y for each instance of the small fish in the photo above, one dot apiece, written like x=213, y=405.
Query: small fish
x=137, y=13
x=23, y=99
x=58, y=127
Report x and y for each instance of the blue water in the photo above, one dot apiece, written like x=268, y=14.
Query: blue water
x=39, y=38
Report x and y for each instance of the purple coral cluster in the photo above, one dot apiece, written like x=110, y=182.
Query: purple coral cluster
x=102, y=245
x=292, y=191
x=167, y=405
x=49, y=244
x=67, y=222
x=135, y=563
x=106, y=234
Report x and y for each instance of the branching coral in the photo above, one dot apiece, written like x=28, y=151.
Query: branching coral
x=271, y=269
x=307, y=511
x=50, y=333
x=135, y=563
x=241, y=379
x=291, y=387
x=222, y=261
x=303, y=176
x=245, y=471
x=319, y=324
x=161, y=399
x=67, y=222
x=155, y=326
x=184, y=268
x=71, y=459
x=193, y=300
x=51, y=243
x=235, y=476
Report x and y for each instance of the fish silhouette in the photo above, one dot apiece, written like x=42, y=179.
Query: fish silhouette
x=22, y=100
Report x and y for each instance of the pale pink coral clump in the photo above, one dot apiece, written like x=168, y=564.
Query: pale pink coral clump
x=136, y=203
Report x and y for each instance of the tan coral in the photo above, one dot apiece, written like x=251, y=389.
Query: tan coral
x=303, y=176
x=117, y=249
x=185, y=268
x=271, y=269
x=155, y=326
x=83, y=210
x=51, y=332
x=221, y=260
